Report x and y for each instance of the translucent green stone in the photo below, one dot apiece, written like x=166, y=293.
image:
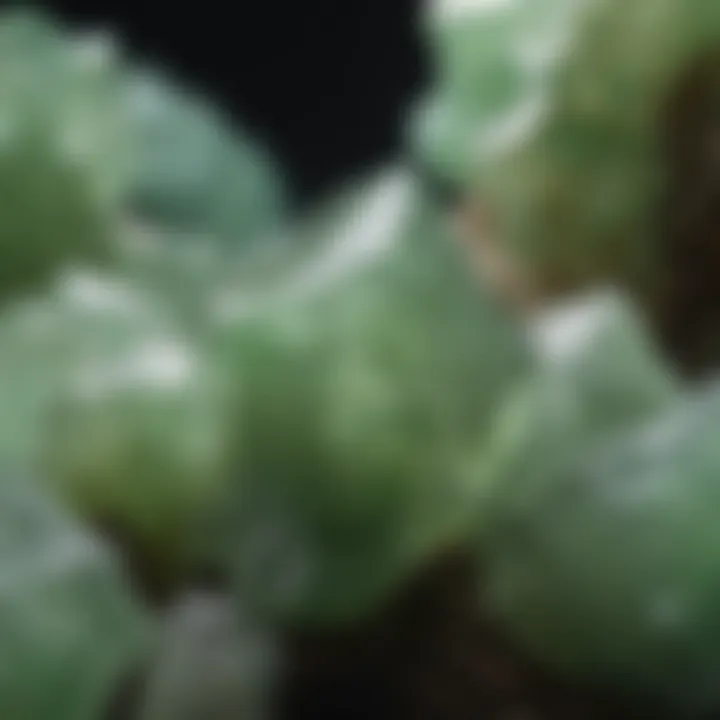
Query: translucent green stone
x=88, y=139
x=194, y=171
x=368, y=385
x=120, y=409
x=69, y=628
x=60, y=149
x=611, y=571
x=598, y=375
x=552, y=112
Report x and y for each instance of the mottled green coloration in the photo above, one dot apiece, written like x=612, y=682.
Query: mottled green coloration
x=612, y=571
x=123, y=414
x=597, y=376
x=208, y=206
x=193, y=171
x=69, y=629
x=599, y=539
x=367, y=390
x=552, y=111
x=87, y=139
x=60, y=150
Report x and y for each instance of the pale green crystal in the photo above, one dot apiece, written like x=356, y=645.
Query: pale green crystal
x=121, y=411
x=597, y=375
x=60, y=149
x=69, y=628
x=195, y=171
x=552, y=112
x=368, y=387
x=611, y=571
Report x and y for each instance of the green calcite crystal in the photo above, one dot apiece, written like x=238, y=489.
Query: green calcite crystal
x=368, y=385
x=60, y=149
x=193, y=171
x=69, y=628
x=214, y=664
x=552, y=111
x=612, y=571
x=196, y=275
x=206, y=204
x=123, y=413
x=482, y=76
x=597, y=376
x=87, y=139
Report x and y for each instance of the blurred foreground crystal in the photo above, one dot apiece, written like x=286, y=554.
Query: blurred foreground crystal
x=215, y=664
x=69, y=628
x=61, y=151
x=600, y=344
x=117, y=407
x=611, y=571
x=193, y=172
x=553, y=115
x=598, y=375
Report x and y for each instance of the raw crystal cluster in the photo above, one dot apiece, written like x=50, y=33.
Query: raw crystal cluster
x=551, y=113
x=287, y=421
x=597, y=540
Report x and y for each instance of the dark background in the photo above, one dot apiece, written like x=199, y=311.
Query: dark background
x=323, y=82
